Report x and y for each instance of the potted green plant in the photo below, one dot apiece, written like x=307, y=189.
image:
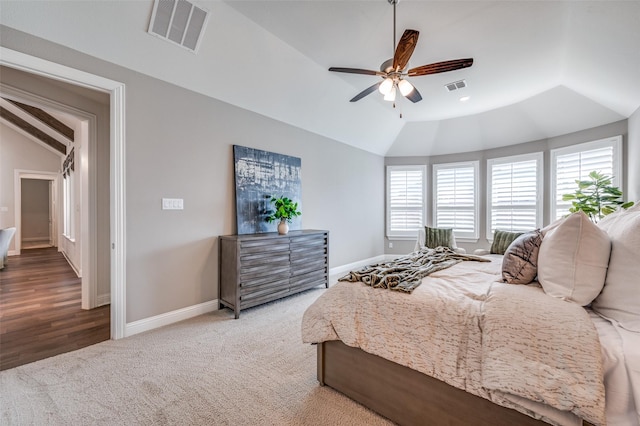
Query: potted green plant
x=285, y=210
x=596, y=197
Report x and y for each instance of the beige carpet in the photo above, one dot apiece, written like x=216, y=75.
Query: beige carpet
x=209, y=370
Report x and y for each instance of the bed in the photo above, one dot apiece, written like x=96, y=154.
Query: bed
x=466, y=348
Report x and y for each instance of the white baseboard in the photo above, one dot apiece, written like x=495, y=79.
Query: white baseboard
x=78, y=273
x=104, y=299
x=343, y=269
x=169, y=318
x=44, y=239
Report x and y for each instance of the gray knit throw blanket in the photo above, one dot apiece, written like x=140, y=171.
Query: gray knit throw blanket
x=405, y=273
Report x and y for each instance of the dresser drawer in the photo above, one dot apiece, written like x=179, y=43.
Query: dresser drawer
x=307, y=281
x=251, y=271
x=304, y=266
x=271, y=244
x=262, y=297
x=257, y=289
x=264, y=257
x=251, y=280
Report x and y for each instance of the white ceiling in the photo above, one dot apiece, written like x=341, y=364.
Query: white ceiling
x=541, y=68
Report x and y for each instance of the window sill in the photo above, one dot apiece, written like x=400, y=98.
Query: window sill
x=467, y=240
x=402, y=237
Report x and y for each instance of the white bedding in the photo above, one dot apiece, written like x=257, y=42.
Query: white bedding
x=621, y=361
x=371, y=319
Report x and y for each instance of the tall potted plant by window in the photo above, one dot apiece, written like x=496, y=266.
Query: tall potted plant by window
x=285, y=210
x=596, y=197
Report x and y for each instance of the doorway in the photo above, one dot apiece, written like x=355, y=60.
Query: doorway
x=41, y=67
x=37, y=213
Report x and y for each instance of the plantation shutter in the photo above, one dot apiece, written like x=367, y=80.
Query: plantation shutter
x=576, y=164
x=455, y=201
x=405, y=200
x=515, y=185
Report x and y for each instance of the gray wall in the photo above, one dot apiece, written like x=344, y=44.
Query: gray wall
x=179, y=145
x=631, y=162
x=35, y=210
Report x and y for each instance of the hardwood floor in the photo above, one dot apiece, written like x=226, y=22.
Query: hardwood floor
x=40, y=313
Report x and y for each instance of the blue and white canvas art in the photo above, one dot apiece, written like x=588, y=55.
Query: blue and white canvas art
x=258, y=175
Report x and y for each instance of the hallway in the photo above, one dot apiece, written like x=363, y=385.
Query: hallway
x=40, y=313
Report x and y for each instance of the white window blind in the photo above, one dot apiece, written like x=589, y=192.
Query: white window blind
x=514, y=186
x=405, y=200
x=576, y=162
x=455, y=203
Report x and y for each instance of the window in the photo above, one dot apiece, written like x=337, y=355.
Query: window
x=514, y=187
x=455, y=203
x=67, y=194
x=405, y=200
x=68, y=188
x=576, y=162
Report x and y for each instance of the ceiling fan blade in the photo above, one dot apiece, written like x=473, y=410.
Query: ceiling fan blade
x=357, y=71
x=439, y=67
x=405, y=49
x=365, y=92
x=414, y=96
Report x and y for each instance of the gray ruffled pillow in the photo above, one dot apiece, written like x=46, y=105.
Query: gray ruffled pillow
x=520, y=262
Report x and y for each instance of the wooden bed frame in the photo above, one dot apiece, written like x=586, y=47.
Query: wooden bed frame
x=406, y=396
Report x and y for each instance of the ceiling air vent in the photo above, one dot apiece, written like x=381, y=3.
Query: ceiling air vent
x=456, y=85
x=179, y=22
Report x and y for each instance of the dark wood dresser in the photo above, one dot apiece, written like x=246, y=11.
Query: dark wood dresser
x=260, y=268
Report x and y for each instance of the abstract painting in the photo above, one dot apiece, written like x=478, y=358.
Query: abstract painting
x=259, y=175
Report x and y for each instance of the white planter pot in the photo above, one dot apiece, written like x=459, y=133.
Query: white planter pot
x=283, y=227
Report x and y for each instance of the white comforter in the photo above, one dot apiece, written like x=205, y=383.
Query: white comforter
x=458, y=326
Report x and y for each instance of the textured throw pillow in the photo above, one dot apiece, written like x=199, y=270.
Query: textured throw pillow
x=573, y=260
x=436, y=237
x=520, y=261
x=620, y=297
x=501, y=241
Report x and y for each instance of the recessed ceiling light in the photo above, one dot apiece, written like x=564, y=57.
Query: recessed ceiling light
x=465, y=98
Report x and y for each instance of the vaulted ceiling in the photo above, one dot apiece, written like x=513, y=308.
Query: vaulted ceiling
x=51, y=129
x=541, y=68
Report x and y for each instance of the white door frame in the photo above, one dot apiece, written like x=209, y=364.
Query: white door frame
x=32, y=174
x=34, y=65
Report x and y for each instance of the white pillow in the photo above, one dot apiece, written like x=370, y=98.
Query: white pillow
x=620, y=298
x=573, y=259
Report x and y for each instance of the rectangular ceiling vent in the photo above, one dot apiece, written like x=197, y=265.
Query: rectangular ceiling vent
x=460, y=84
x=179, y=22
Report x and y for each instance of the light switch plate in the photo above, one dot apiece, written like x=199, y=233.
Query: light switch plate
x=172, y=204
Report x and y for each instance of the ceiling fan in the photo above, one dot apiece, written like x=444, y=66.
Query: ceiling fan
x=393, y=71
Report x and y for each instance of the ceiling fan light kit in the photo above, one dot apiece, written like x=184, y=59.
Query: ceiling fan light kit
x=386, y=86
x=405, y=87
x=393, y=71
x=391, y=95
